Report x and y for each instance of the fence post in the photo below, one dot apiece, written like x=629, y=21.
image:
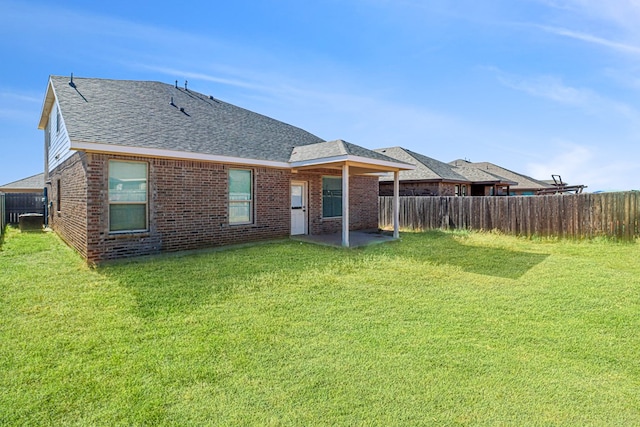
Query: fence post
x=3, y=221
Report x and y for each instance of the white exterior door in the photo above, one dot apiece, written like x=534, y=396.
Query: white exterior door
x=298, y=207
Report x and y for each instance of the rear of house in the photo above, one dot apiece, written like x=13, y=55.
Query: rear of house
x=135, y=168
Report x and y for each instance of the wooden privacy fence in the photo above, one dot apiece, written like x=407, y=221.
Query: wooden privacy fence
x=17, y=204
x=570, y=215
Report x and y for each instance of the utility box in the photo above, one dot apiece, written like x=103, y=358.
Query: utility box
x=31, y=222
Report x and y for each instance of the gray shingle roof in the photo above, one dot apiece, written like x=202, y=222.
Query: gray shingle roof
x=519, y=181
x=426, y=167
x=161, y=116
x=35, y=182
x=478, y=176
x=334, y=149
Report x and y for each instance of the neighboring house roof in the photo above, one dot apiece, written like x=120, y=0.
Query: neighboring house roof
x=427, y=169
x=29, y=184
x=153, y=118
x=478, y=176
x=519, y=181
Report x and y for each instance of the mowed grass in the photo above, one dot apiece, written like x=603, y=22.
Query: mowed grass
x=436, y=329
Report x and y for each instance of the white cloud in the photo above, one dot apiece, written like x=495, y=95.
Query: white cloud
x=571, y=161
x=19, y=106
x=612, y=24
x=236, y=82
x=623, y=14
x=553, y=88
x=10, y=96
x=586, y=165
x=549, y=87
x=618, y=46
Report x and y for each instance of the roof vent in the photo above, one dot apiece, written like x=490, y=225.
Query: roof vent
x=176, y=84
x=171, y=103
x=211, y=97
x=185, y=85
x=71, y=83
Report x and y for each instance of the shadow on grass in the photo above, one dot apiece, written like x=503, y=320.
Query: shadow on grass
x=444, y=248
x=181, y=283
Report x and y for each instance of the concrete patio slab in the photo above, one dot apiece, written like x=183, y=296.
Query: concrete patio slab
x=356, y=238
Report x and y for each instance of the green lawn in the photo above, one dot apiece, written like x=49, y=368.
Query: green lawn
x=437, y=329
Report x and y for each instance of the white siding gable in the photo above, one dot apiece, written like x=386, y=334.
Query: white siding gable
x=59, y=142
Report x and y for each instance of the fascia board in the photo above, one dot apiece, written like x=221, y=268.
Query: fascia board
x=47, y=103
x=352, y=159
x=182, y=155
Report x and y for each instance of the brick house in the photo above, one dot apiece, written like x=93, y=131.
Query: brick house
x=137, y=167
x=32, y=184
x=521, y=185
x=24, y=196
x=432, y=177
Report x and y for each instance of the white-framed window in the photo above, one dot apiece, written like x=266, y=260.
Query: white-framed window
x=127, y=196
x=240, y=196
x=463, y=190
x=457, y=190
x=331, y=196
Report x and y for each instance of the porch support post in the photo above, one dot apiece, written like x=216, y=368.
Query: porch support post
x=345, y=205
x=396, y=204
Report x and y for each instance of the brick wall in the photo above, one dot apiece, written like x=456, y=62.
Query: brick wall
x=67, y=212
x=187, y=203
x=187, y=206
x=363, y=199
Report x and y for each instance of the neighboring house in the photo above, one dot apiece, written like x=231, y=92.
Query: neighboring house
x=139, y=167
x=485, y=183
x=25, y=196
x=522, y=185
x=432, y=177
x=32, y=184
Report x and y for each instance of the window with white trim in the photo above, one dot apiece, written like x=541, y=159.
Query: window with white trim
x=331, y=196
x=127, y=196
x=240, y=196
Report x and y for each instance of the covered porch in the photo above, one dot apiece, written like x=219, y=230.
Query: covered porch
x=351, y=160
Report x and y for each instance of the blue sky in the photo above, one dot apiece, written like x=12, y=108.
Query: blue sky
x=537, y=86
